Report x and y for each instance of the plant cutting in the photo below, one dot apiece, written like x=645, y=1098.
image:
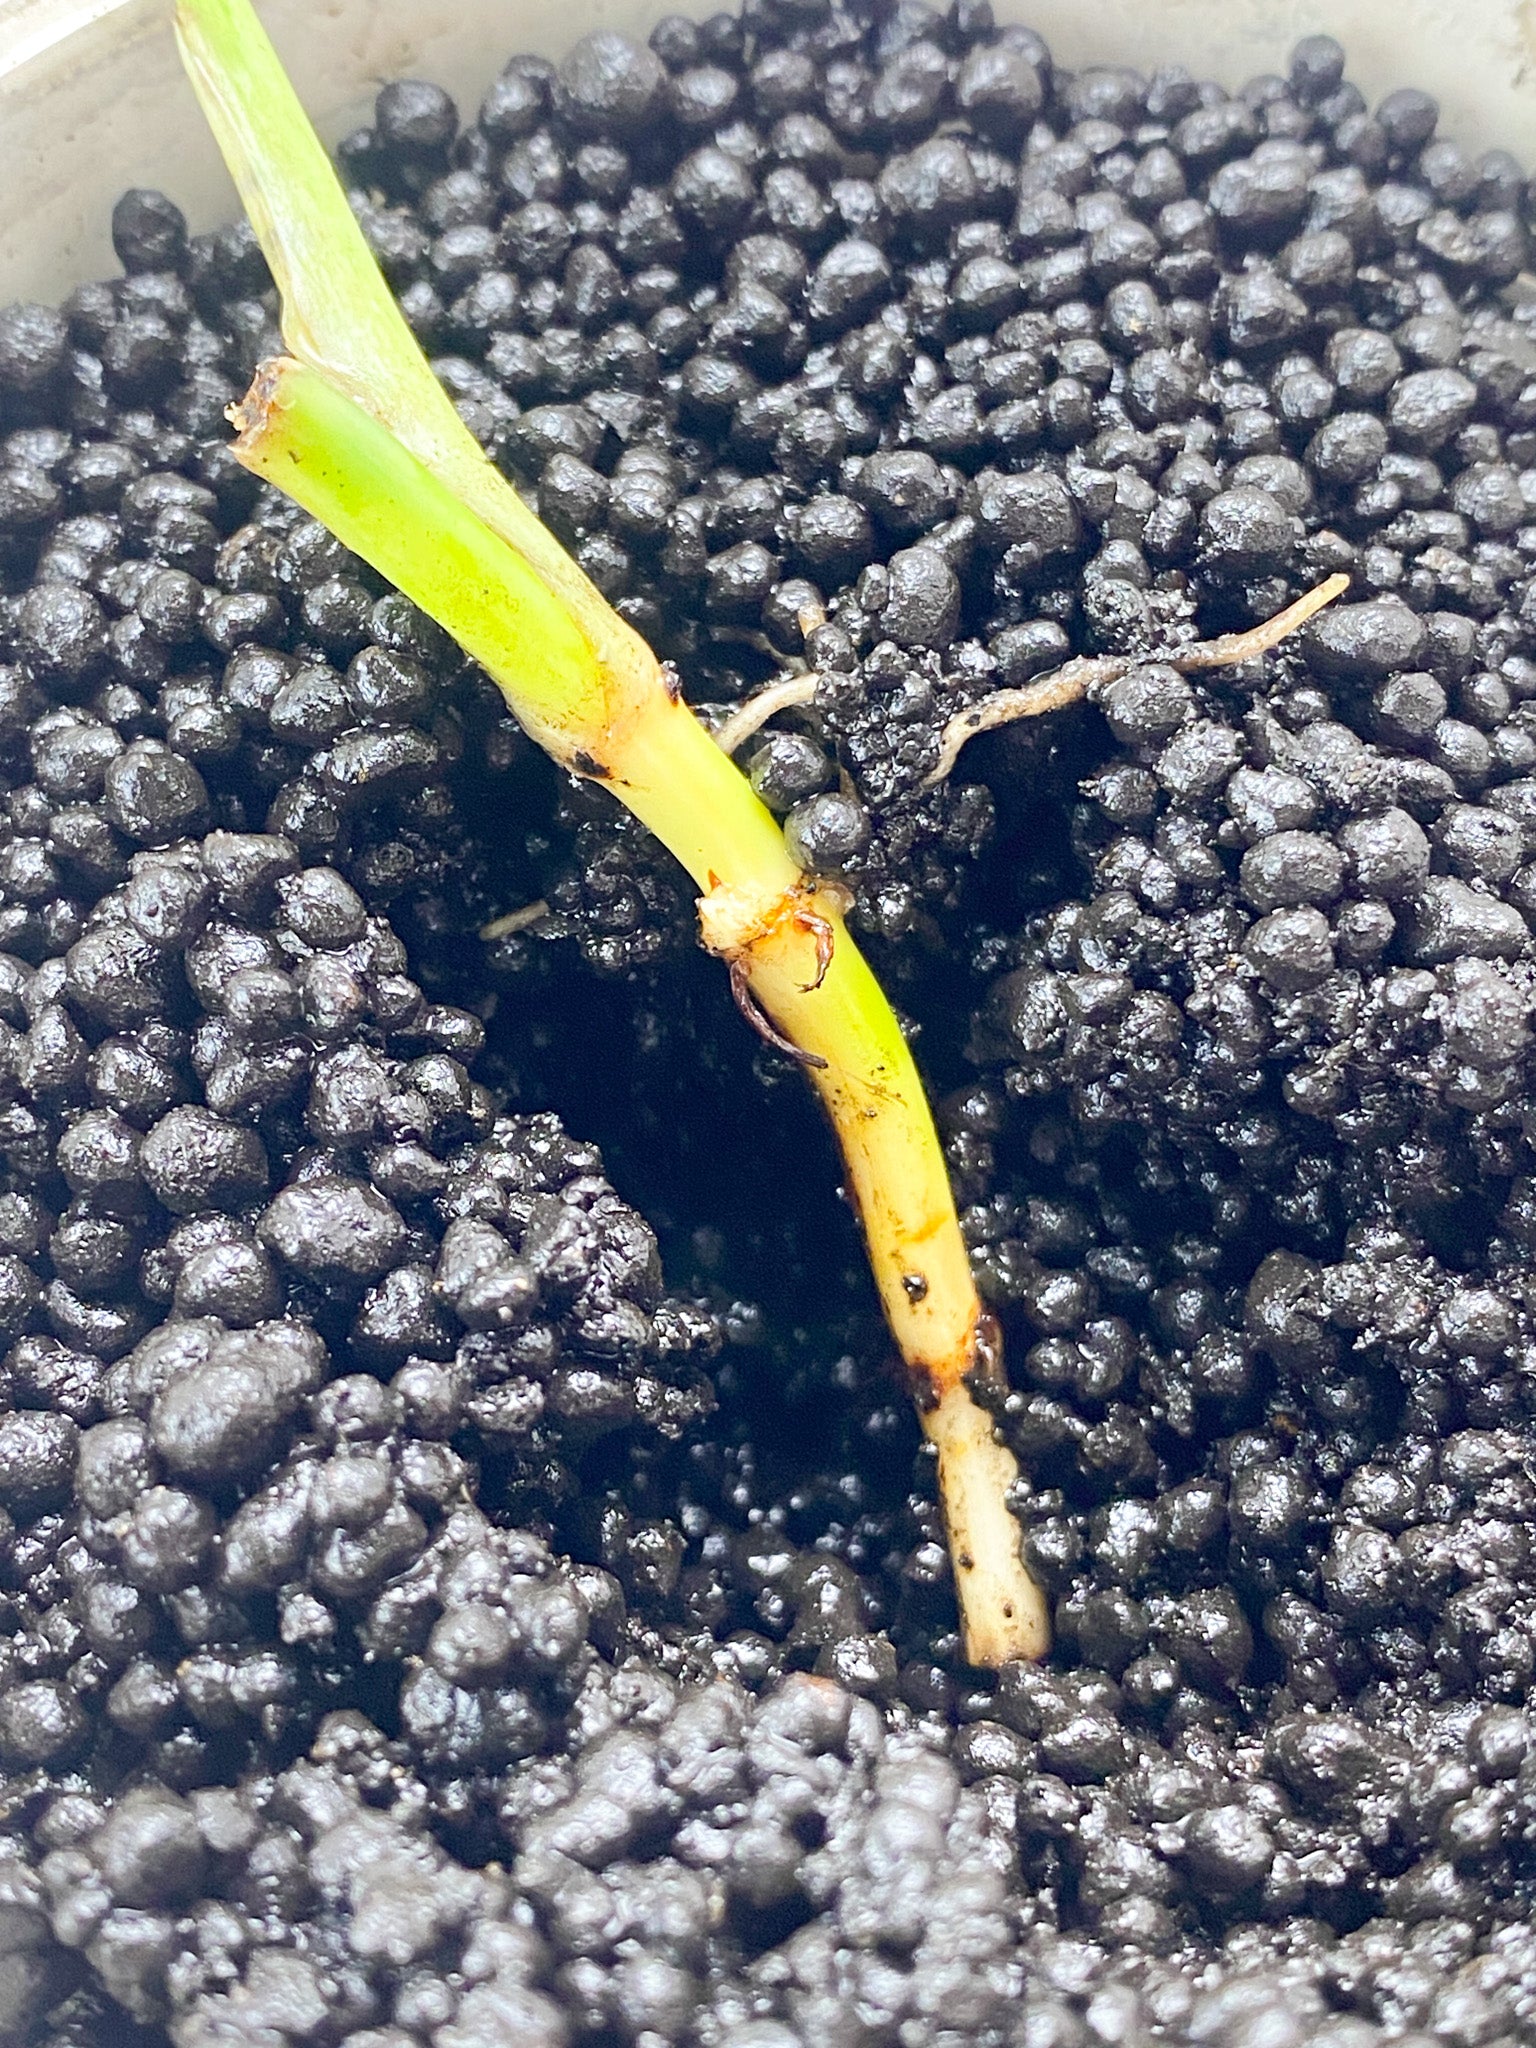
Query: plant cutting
x=353, y=425
x=427, y=1626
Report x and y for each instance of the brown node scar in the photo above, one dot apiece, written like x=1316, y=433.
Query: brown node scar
x=923, y=1387
x=1067, y=684
x=987, y=1352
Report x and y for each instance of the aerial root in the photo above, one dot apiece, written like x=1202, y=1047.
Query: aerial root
x=733, y=923
x=1066, y=685
x=821, y=931
x=740, y=972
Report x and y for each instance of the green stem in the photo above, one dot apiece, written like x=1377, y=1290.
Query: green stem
x=338, y=313
x=757, y=911
x=357, y=429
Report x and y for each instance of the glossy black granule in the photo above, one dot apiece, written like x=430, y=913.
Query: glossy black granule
x=425, y=1628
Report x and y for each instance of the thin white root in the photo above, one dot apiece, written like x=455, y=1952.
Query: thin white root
x=1003, y=1614
x=1231, y=648
x=1051, y=693
x=756, y=712
x=515, y=921
x=1066, y=685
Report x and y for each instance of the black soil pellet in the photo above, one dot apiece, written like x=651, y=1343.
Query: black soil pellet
x=444, y=1607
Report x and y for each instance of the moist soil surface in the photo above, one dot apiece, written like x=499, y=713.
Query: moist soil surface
x=470, y=1575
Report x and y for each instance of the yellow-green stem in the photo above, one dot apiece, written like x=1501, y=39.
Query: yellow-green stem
x=786, y=935
x=368, y=441
x=338, y=313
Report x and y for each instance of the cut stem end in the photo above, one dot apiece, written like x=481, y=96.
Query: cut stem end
x=1003, y=1614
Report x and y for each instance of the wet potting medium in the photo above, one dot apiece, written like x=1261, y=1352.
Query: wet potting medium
x=466, y=1585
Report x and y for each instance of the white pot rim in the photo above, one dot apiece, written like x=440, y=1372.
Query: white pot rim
x=92, y=99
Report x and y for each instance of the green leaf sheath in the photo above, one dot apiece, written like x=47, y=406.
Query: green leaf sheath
x=351, y=473
x=355, y=427
x=338, y=312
